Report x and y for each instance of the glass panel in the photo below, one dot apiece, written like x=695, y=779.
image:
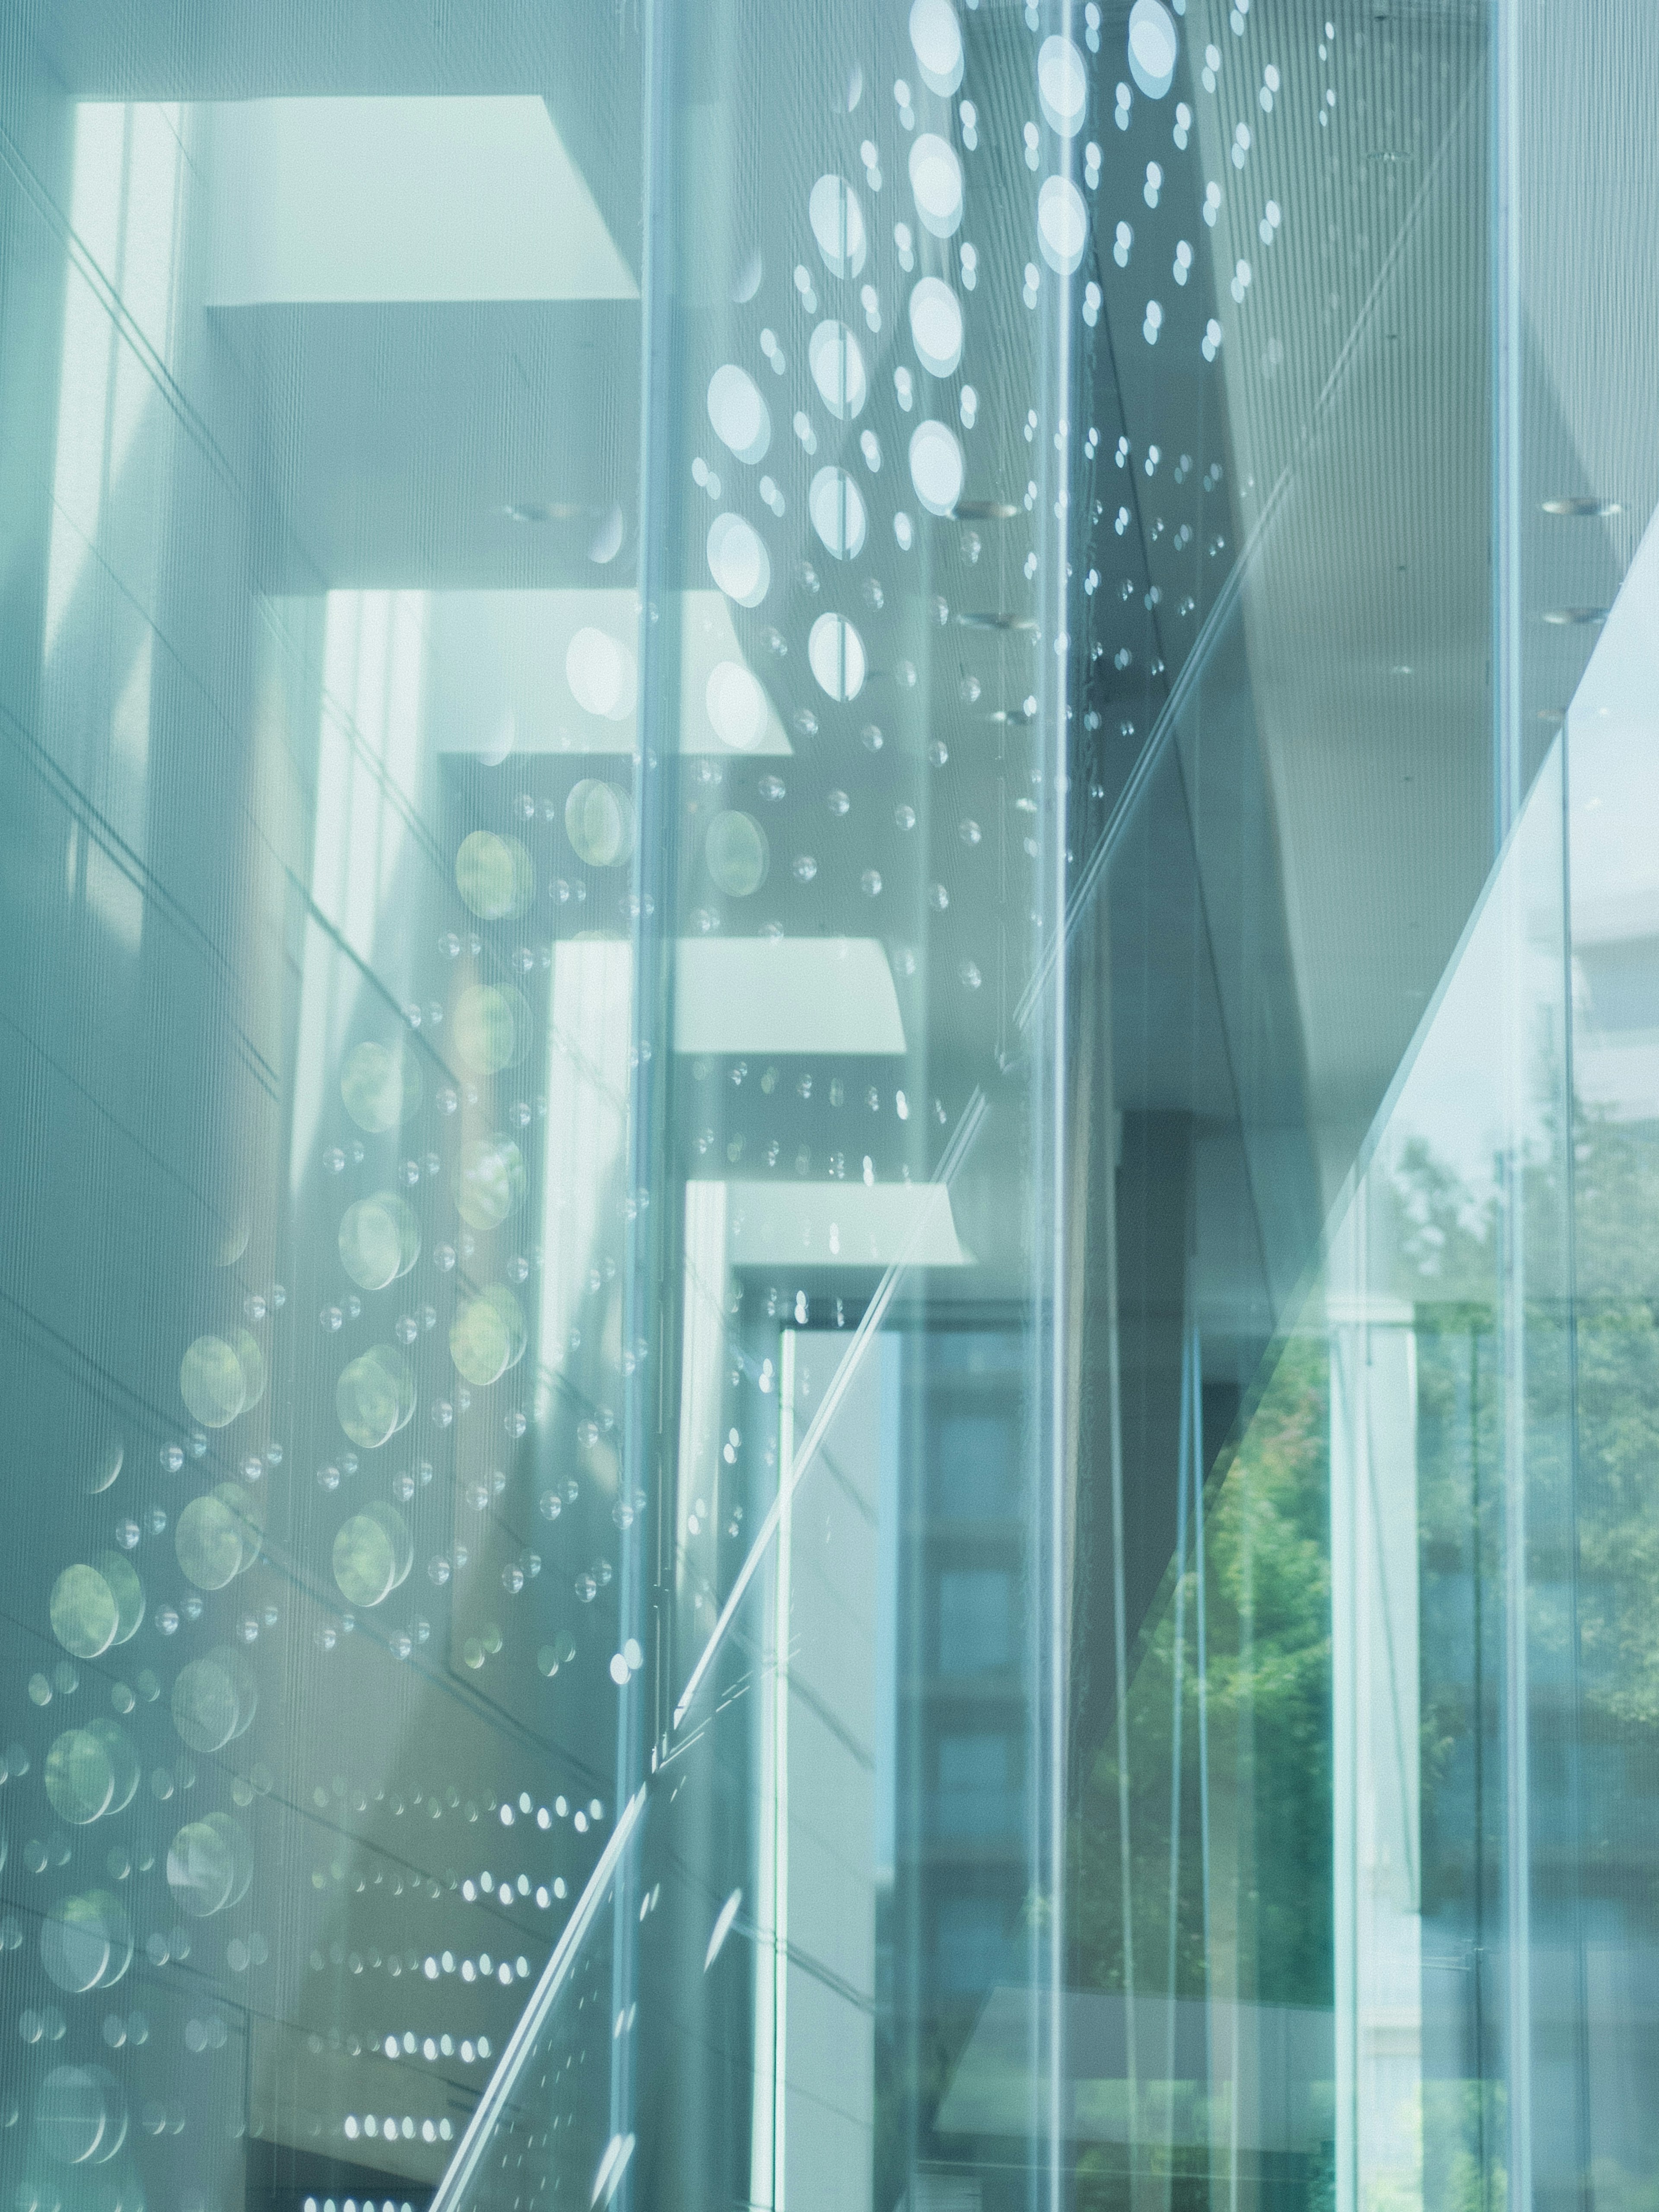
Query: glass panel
x=320, y=1034
x=1446, y=1301
x=828, y=1333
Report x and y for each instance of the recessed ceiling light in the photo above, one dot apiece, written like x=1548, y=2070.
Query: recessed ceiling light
x=1582, y=507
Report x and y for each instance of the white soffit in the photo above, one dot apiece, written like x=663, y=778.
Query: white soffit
x=796, y=995
x=380, y=200
x=835, y=1224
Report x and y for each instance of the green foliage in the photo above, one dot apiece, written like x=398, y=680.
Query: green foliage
x=1590, y=1435
x=1262, y=1713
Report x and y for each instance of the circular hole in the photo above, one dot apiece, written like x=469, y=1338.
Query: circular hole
x=837, y=221
x=737, y=708
x=936, y=38
x=936, y=182
x=836, y=363
x=834, y=652
x=1153, y=47
x=936, y=467
x=603, y=676
x=598, y=820
x=837, y=513
x=936, y=326
x=1062, y=86
x=737, y=561
x=738, y=413
x=1062, y=224
x=737, y=854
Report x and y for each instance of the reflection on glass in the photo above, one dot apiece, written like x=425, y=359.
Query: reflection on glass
x=831, y=1045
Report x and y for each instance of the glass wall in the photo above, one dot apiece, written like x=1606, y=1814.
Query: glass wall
x=823, y=1275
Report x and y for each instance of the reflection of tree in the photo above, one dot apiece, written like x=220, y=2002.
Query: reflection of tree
x=1259, y=1927
x=1438, y=1257
x=1588, y=1364
x=1616, y=1188
x=1591, y=1383
x=1263, y=1710
x=1229, y=1794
